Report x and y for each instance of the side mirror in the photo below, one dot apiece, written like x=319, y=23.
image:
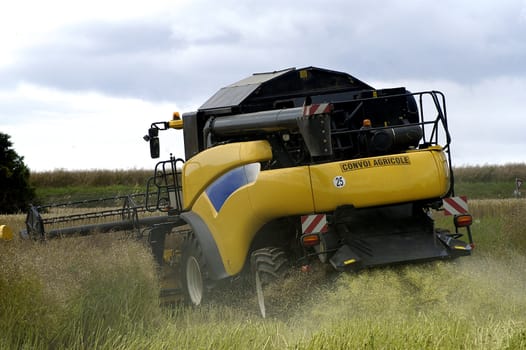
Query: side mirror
x=153, y=138
x=154, y=147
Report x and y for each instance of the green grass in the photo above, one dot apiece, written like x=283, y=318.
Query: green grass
x=488, y=181
x=491, y=173
x=482, y=190
x=61, y=185
x=47, y=195
x=101, y=292
x=75, y=293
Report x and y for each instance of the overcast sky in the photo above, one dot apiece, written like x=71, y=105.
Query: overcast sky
x=81, y=82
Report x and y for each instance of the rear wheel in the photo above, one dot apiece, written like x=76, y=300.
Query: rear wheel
x=268, y=266
x=193, y=271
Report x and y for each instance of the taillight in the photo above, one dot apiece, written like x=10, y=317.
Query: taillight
x=310, y=239
x=464, y=220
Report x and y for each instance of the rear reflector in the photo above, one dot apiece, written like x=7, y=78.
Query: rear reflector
x=349, y=261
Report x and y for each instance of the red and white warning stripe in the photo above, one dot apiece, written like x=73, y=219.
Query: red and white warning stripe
x=321, y=108
x=315, y=223
x=455, y=205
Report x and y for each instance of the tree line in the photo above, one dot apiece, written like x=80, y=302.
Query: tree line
x=15, y=190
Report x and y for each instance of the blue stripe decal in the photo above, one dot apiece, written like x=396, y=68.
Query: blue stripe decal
x=219, y=191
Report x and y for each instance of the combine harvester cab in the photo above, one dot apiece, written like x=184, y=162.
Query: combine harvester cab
x=300, y=165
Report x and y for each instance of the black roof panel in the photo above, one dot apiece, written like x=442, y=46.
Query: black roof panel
x=264, y=88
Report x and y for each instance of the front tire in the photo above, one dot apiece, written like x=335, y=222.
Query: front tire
x=193, y=272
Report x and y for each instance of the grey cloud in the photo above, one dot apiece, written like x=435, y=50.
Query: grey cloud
x=139, y=59
x=191, y=54
x=124, y=38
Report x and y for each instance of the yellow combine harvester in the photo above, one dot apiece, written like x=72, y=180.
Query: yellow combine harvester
x=291, y=166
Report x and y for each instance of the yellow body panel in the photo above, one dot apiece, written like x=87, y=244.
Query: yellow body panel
x=202, y=169
x=275, y=193
x=382, y=180
x=271, y=194
x=282, y=192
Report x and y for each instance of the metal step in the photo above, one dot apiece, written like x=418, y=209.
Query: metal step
x=400, y=248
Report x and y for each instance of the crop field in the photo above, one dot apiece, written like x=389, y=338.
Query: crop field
x=102, y=292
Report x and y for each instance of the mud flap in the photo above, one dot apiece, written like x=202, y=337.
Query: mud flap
x=216, y=268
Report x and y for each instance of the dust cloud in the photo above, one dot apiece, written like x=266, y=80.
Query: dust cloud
x=477, y=289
